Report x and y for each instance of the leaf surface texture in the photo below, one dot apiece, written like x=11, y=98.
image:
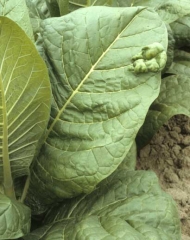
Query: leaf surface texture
x=127, y=205
x=18, y=12
x=98, y=105
x=24, y=98
x=14, y=218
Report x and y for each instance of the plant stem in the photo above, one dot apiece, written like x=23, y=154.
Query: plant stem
x=132, y=3
x=4, y=151
x=78, y=4
x=8, y=182
x=25, y=190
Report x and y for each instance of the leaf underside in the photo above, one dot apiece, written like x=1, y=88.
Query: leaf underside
x=25, y=89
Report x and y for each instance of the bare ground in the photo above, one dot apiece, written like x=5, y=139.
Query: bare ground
x=168, y=155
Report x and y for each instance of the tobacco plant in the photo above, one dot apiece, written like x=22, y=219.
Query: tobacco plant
x=83, y=84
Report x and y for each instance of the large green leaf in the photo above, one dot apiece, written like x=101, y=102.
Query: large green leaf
x=99, y=105
x=18, y=12
x=173, y=98
x=128, y=205
x=24, y=98
x=14, y=218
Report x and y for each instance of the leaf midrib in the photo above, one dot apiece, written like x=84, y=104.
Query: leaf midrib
x=7, y=175
x=88, y=74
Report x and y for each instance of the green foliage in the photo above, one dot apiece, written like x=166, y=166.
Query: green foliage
x=24, y=112
x=38, y=11
x=181, y=31
x=117, y=209
x=25, y=98
x=18, y=12
x=168, y=10
x=173, y=98
x=15, y=218
x=97, y=109
x=129, y=162
x=113, y=70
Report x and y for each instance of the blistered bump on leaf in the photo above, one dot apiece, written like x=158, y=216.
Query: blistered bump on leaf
x=152, y=58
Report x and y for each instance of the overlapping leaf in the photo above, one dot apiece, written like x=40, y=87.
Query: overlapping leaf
x=129, y=162
x=128, y=205
x=37, y=11
x=76, y=4
x=25, y=98
x=98, y=104
x=170, y=50
x=18, y=12
x=181, y=31
x=63, y=7
x=169, y=10
x=173, y=98
x=14, y=218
